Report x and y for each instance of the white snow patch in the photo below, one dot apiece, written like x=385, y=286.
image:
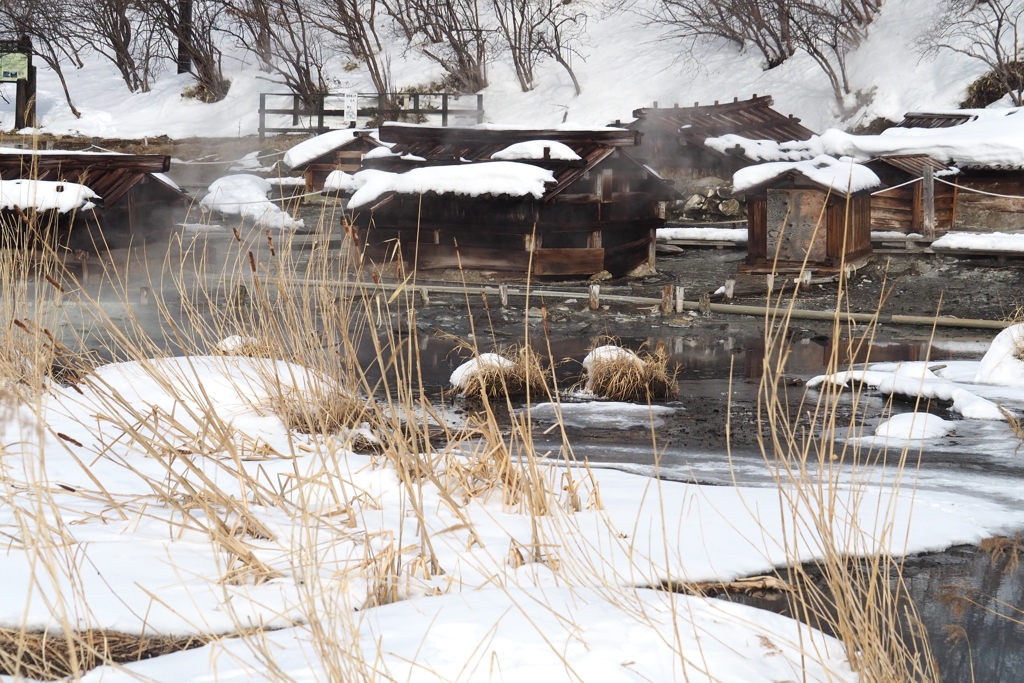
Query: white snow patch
x=602, y=414
x=1002, y=364
x=915, y=379
x=494, y=178
x=45, y=195
x=246, y=195
x=235, y=342
x=308, y=150
x=737, y=235
x=993, y=241
x=339, y=181
x=843, y=175
x=464, y=373
x=914, y=426
x=534, y=149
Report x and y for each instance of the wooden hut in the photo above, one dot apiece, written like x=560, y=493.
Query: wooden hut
x=901, y=208
x=138, y=203
x=598, y=210
x=674, y=137
x=817, y=210
x=338, y=150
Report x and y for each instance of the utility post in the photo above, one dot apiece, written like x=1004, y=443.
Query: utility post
x=929, y=202
x=184, y=36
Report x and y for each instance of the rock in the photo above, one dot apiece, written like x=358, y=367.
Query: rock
x=669, y=249
x=601, y=276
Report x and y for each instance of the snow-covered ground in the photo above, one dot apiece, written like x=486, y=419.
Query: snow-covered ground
x=135, y=478
x=622, y=64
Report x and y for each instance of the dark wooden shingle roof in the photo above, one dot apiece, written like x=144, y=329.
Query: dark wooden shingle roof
x=753, y=118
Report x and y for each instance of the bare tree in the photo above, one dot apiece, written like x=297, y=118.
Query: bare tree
x=451, y=33
x=824, y=29
x=124, y=33
x=535, y=28
x=198, y=40
x=49, y=26
x=285, y=38
x=353, y=23
x=988, y=31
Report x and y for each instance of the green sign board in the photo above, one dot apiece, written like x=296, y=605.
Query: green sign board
x=13, y=67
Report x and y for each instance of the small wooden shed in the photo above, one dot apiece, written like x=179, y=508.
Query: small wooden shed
x=674, y=137
x=599, y=211
x=901, y=207
x=796, y=214
x=138, y=203
x=337, y=150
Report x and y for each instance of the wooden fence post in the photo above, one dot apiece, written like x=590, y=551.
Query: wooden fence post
x=680, y=298
x=320, y=130
x=479, y=108
x=595, y=297
x=444, y=109
x=929, y=202
x=503, y=295
x=667, y=300
x=263, y=116
x=295, y=110
x=425, y=295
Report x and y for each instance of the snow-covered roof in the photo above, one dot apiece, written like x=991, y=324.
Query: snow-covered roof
x=45, y=195
x=842, y=175
x=534, y=150
x=308, y=150
x=565, y=126
x=246, y=196
x=472, y=180
x=993, y=138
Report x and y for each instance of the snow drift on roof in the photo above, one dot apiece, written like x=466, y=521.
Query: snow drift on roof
x=45, y=195
x=493, y=178
x=246, y=196
x=565, y=126
x=534, y=150
x=842, y=175
x=994, y=138
x=306, y=151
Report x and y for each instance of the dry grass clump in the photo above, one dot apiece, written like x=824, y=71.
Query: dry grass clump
x=619, y=374
x=53, y=656
x=1003, y=547
x=238, y=345
x=515, y=373
x=321, y=412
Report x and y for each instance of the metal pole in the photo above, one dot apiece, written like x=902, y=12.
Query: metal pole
x=263, y=116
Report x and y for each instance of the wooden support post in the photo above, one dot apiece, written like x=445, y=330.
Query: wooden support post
x=83, y=260
x=295, y=110
x=680, y=298
x=479, y=108
x=595, y=297
x=320, y=130
x=667, y=300
x=444, y=109
x=929, y=203
x=425, y=295
x=263, y=116
x=730, y=289
x=503, y=295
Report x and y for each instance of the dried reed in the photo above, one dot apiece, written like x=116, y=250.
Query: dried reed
x=629, y=376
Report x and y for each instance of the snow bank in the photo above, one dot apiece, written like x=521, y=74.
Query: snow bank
x=914, y=426
x=842, y=175
x=464, y=373
x=737, y=235
x=610, y=353
x=552, y=635
x=995, y=137
x=339, y=181
x=915, y=379
x=1002, y=363
x=602, y=414
x=494, y=178
x=246, y=196
x=534, y=149
x=310, y=149
x=994, y=241
x=45, y=195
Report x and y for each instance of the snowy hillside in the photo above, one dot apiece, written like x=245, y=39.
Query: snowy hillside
x=622, y=65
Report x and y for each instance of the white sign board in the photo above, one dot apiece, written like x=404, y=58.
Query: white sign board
x=351, y=106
